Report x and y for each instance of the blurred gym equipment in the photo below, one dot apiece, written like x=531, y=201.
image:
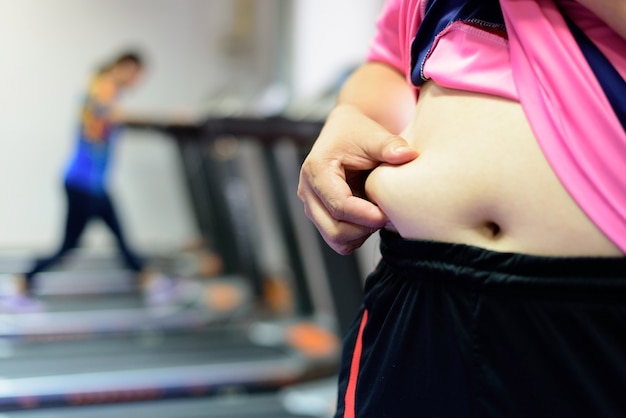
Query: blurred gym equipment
x=99, y=344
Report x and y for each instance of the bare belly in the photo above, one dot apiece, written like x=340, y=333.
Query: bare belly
x=481, y=179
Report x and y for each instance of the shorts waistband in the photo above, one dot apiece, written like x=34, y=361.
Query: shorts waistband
x=491, y=267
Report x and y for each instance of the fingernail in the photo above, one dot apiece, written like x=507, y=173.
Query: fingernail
x=403, y=149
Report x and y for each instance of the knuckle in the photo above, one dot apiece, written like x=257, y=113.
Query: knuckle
x=345, y=250
x=335, y=208
x=300, y=192
x=343, y=241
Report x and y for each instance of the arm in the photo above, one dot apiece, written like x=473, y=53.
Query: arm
x=612, y=12
x=374, y=105
x=381, y=93
x=156, y=117
x=98, y=113
x=102, y=110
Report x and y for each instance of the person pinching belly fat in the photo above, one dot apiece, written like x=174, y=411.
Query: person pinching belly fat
x=501, y=196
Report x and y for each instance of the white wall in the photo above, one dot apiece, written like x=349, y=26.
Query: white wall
x=329, y=37
x=48, y=50
x=50, y=47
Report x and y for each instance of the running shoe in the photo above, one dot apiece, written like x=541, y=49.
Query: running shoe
x=21, y=304
x=161, y=290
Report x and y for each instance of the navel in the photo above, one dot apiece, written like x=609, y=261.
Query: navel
x=493, y=229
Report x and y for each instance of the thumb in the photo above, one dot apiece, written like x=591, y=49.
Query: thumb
x=396, y=150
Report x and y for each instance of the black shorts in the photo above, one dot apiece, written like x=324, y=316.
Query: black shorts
x=450, y=330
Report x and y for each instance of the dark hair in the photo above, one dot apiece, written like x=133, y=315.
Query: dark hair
x=131, y=57
x=128, y=57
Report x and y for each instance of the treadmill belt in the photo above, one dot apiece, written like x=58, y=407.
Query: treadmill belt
x=147, y=366
x=150, y=349
x=254, y=406
x=99, y=302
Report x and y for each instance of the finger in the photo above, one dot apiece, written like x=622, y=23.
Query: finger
x=361, y=212
x=343, y=237
x=398, y=152
x=338, y=199
x=380, y=148
x=346, y=248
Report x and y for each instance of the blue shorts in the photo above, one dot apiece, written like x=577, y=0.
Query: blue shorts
x=450, y=330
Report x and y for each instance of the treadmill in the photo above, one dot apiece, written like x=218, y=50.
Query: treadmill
x=156, y=365
x=96, y=315
x=148, y=364
x=91, y=294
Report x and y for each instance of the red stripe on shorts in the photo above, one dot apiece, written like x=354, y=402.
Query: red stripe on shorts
x=354, y=371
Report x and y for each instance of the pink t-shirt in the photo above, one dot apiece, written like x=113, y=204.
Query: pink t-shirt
x=574, y=122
